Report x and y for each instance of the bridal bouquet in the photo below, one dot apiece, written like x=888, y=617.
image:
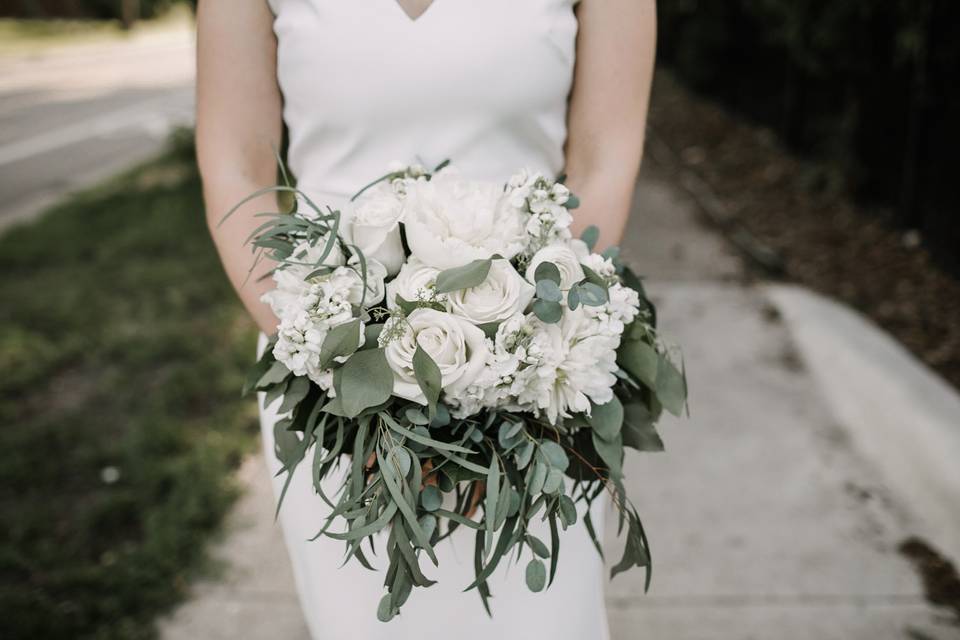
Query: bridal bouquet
x=468, y=361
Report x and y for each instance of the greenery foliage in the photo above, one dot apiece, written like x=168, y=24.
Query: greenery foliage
x=96, y=9
x=123, y=349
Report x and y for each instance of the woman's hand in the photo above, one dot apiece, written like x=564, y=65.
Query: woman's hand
x=616, y=45
x=238, y=130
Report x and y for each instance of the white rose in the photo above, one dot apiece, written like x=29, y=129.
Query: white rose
x=457, y=347
x=566, y=260
x=451, y=221
x=579, y=247
x=500, y=296
x=376, y=227
x=414, y=282
x=376, y=274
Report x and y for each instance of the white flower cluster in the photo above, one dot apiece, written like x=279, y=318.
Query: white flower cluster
x=308, y=307
x=549, y=218
x=551, y=369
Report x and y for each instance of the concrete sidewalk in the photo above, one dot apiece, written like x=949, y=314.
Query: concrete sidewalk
x=767, y=519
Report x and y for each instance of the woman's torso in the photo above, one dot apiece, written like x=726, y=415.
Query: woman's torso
x=483, y=83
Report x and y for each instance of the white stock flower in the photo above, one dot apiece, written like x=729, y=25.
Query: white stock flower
x=291, y=280
x=622, y=307
x=450, y=221
x=566, y=260
x=376, y=226
x=457, y=347
x=598, y=264
x=415, y=282
x=500, y=296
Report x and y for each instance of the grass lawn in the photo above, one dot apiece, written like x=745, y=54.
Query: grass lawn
x=122, y=351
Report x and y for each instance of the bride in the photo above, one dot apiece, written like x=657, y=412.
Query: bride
x=559, y=86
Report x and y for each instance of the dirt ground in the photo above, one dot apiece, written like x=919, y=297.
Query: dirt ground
x=826, y=240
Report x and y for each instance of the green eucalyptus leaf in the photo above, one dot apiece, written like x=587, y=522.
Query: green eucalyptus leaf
x=371, y=333
x=405, y=305
x=547, y=271
x=611, y=452
x=465, y=277
x=538, y=477
x=489, y=329
x=547, y=311
x=415, y=416
x=554, y=545
x=428, y=377
x=549, y=290
x=509, y=435
x=525, y=454
x=428, y=522
x=385, y=610
x=264, y=364
x=341, y=340
x=568, y=511
x=394, y=484
x=445, y=482
x=554, y=481
x=670, y=386
x=296, y=391
x=442, y=418
x=276, y=391
x=606, y=419
x=490, y=502
x=573, y=298
x=555, y=455
x=593, y=276
x=366, y=381
x=636, y=551
x=590, y=236
x=431, y=498
x=638, y=429
x=640, y=360
x=420, y=435
x=536, y=575
x=537, y=546
x=515, y=501
x=593, y=295
x=276, y=374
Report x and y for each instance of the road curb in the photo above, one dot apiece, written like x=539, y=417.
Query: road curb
x=899, y=413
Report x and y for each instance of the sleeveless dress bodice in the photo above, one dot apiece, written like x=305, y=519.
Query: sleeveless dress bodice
x=483, y=83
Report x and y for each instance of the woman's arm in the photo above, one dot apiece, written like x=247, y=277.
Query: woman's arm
x=239, y=124
x=616, y=46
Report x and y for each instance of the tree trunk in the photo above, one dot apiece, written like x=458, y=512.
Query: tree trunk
x=129, y=12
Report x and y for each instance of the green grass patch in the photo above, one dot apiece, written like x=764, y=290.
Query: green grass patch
x=122, y=350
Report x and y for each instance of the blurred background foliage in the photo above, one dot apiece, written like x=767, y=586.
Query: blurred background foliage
x=93, y=9
x=868, y=88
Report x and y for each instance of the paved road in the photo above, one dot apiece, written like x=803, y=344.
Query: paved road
x=74, y=115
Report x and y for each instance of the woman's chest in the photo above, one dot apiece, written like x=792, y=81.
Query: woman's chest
x=362, y=60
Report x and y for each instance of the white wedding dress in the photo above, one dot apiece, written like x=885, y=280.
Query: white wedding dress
x=485, y=84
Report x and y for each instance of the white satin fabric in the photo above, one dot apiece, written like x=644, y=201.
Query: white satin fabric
x=483, y=83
